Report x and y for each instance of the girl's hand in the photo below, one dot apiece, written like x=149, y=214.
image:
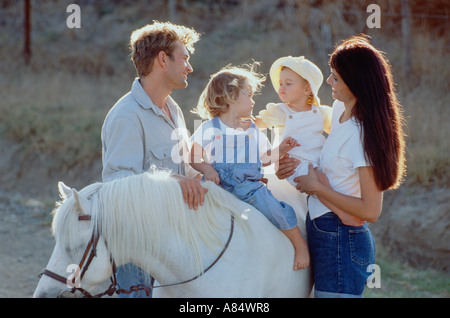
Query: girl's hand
x=287, y=144
x=212, y=175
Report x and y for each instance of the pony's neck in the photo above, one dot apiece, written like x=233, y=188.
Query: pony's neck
x=174, y=267
x=145, y=221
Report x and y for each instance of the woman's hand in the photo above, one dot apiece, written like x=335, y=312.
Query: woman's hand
x=348, y=219
x=322, y=177
x=285, y=167
x=306, y=183
x=310, y=183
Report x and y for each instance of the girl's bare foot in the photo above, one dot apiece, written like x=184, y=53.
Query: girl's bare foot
x=301, y=259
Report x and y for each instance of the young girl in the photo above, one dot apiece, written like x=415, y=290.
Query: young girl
x=300, y=115
x=230, y=150
x=362, y=157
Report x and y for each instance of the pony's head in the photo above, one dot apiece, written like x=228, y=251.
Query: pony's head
x=141, y=219
x=73, y=227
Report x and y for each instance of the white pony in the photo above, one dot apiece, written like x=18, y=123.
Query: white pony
x=143, y=219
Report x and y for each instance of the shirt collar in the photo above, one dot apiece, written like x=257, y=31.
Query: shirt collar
x=141, y=96
x=145, y=101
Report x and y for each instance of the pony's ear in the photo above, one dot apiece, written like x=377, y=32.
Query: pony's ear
x=64, y=191
x=82, y=202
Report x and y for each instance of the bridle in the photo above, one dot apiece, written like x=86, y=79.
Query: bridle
x=91, y=252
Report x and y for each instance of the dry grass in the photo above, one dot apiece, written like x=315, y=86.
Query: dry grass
x=54, y=108
x=400, y=280
x=56, y=117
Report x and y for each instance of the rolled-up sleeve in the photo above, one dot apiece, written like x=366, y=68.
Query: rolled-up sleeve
x=123, y=150
x=272, y=116
x=326, y=112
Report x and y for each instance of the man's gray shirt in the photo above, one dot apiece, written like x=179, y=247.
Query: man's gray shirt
x=137, y=136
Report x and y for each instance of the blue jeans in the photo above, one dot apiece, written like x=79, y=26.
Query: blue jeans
x=131, y=275
x=340, y=255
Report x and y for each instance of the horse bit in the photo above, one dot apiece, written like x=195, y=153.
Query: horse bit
x=115, y=287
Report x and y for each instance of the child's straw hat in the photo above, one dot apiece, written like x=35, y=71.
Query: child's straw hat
x=303, y=67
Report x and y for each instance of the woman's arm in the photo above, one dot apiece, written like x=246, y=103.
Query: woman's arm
x=368, y=207
x=345, y=218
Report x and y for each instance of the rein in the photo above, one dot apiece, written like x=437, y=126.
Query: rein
x=92, y=247
x=114, y=287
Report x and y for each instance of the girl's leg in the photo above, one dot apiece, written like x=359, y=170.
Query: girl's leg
x=301, y=258
x=283, y=217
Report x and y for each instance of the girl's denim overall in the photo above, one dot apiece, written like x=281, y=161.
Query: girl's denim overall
x=244, y=181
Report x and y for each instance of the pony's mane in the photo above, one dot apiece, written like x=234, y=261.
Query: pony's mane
x=136, y=214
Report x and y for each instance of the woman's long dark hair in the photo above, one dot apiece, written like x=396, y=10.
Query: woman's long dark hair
x=368, y=75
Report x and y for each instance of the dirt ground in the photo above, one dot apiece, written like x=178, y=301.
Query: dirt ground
x=26, y=242
x=26, y=202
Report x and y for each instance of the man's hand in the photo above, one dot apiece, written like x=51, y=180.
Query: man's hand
x=193, y=192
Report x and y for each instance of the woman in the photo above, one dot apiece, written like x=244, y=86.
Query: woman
x=362, y=157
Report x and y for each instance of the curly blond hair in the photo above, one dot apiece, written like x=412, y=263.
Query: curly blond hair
x=148, y=41
x=224, y=87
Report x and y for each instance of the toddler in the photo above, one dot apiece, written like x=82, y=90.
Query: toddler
x=230, y=150
x=300, y=115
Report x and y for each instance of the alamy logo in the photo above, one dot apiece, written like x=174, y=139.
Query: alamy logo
x=226, y=149
x=373, y=20
x=74, y=278
x=374, y=279
x=74, y=19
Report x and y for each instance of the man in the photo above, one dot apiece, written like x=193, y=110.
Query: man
x=145, y=127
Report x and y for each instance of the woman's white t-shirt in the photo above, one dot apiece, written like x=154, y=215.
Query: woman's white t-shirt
x=340, y=158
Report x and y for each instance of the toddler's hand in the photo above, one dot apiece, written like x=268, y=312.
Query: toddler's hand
x=287, y=144
x=212, y=175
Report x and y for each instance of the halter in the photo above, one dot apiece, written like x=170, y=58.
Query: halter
x=115, y=287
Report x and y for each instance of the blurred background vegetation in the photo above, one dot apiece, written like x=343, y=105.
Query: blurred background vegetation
x=52, y=107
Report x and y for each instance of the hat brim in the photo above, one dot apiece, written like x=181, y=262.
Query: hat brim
x=290, y=62
x=276, y=67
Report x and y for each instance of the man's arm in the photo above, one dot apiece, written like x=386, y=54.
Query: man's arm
x=123, y=150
